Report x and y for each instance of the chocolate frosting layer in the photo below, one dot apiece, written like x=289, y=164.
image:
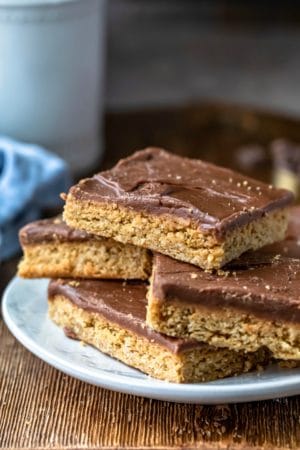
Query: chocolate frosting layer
x=261, y=283
x=205, y=195
x=119, y=302
x=49, y=230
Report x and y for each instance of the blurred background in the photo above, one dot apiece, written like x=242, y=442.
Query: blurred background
x=171, y=52
x=93, y=80
x=211, y=79
x=64, y=64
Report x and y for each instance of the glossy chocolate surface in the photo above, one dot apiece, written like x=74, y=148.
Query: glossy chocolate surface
x=262, y=283
x=49, y=230
x=204, y=195
x=119, y=302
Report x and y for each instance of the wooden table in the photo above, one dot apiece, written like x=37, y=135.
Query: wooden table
x=41, y=407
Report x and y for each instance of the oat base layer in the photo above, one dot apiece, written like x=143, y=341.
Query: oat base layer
x=226, y=328
x=89, y=259
x=172, y=236
x=195, y=365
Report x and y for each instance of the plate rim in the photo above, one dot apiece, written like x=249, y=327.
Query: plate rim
x=201, y=393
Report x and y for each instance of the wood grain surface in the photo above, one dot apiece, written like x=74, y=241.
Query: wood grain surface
x=41, y=408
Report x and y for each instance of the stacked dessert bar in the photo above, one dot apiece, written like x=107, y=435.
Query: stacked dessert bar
x=169, y=265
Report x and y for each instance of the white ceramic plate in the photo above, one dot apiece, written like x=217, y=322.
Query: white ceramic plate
x=25, y=313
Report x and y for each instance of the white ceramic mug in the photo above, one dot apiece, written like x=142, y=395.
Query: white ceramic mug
x=51, y=73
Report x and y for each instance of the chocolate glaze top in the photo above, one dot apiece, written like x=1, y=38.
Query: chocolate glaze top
x=261, y=283
x=205, y=195
x=48, y=230
x=119, y=302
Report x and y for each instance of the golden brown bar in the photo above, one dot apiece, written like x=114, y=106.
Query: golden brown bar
x=52, y=249
x=188, y=209
x=254, y=302
x=110, y=315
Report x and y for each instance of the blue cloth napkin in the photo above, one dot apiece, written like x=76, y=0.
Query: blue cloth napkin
x=31, y=179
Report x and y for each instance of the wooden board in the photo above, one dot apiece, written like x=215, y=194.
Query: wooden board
x=42, y=408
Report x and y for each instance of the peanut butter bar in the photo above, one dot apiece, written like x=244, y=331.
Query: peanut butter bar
x=188, y=209
x=110, y=315
x=52, y=249
x=254, y=302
